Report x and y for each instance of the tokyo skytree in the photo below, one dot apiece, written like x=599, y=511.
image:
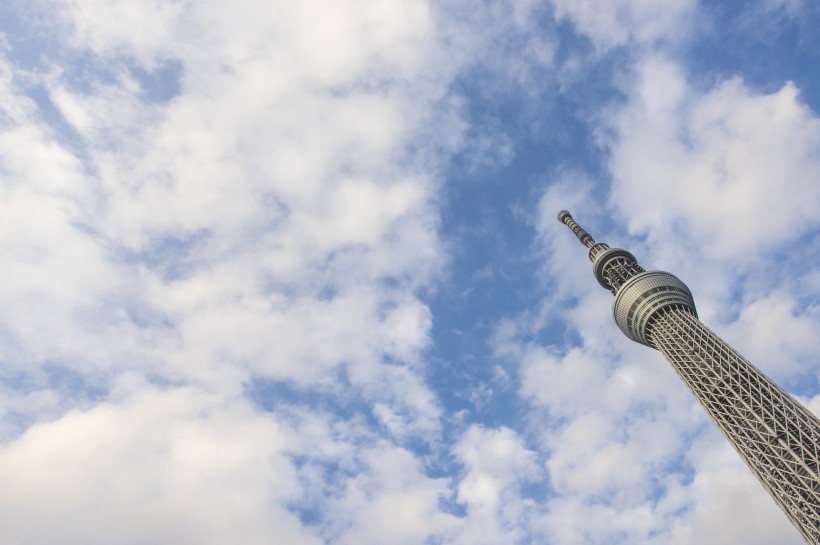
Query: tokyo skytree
x=776, y=436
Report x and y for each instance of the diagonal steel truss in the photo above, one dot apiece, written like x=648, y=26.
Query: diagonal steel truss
x=777, y=438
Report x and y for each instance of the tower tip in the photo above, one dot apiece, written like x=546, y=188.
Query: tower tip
x=565, y=218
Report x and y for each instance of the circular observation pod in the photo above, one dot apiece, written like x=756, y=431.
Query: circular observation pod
x=642, y=296
x=603, y=258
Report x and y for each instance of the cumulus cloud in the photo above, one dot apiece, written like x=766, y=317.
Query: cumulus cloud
x=732, y=167
x=391, y=501
x=261, y=203
x=723, y=490
x=776, y=334
x=497, y=465
x=265, y=222
x=154, y=466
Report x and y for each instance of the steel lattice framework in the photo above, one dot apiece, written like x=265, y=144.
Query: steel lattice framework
x=776, y=436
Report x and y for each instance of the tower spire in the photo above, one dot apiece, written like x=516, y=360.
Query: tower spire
x=566, y=218
x=776, y=436
x=612, y=266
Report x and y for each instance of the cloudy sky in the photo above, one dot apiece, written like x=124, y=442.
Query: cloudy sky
x=290, y=273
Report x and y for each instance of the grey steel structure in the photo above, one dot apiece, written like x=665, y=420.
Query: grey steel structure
x=776, y=436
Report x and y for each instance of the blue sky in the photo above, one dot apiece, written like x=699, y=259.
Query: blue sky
x=290, y=272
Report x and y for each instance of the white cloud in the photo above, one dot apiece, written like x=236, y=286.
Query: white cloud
x=497, y=464
x=264, y=204
x=622, y=22
x=268, y=223
x=138, y=26
x=732, y=168
x=589, y=462
x=728, y=505
x=776, y=335
x=271, y=221
x=391, y=501
x=162, y=464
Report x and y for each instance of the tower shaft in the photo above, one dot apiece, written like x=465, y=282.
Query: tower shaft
x=775, y=436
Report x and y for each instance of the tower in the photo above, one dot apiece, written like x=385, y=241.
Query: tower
x=776, y=436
